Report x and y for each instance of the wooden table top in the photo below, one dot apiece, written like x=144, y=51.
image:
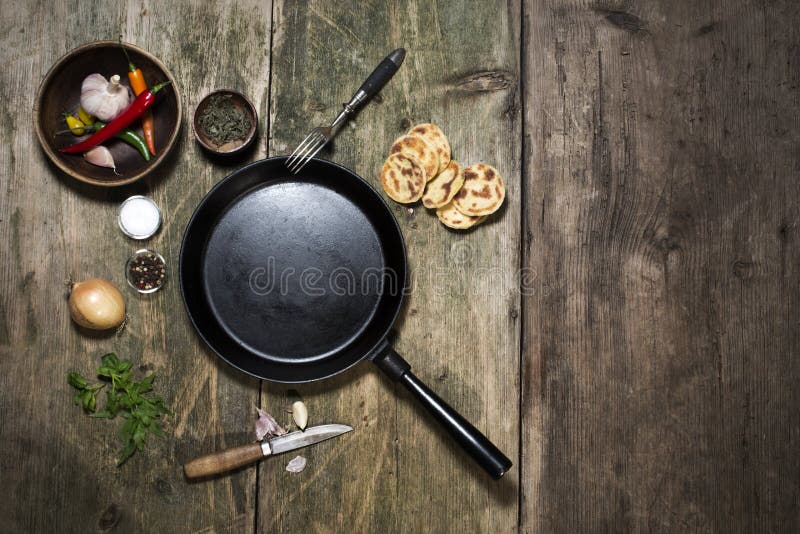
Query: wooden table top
x=625, y=328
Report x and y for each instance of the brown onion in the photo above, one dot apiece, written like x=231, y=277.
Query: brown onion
x=97, y=304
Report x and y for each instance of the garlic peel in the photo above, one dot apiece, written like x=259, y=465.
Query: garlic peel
x=105, y=99
x=297, y=464
x=266, y=426
x=100, y=156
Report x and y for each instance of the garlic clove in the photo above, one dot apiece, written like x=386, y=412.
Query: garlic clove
x=100, y=156
x=300, y=414
x=104, y=99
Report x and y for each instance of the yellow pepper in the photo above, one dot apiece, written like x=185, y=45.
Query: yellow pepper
x=85, y=118
x=75, y=126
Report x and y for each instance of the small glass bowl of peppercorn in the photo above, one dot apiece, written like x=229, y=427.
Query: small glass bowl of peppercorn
x=225, y=122
x=146, y=271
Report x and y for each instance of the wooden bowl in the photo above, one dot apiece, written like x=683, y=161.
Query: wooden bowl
x=232, y=147
x=60, y=93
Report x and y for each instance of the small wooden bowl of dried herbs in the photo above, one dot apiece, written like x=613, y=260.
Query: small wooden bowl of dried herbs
x=225, y=122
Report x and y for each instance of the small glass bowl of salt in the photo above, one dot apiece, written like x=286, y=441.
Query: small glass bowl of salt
x=139, y=217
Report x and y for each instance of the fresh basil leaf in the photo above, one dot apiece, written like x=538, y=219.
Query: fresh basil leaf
x=77, y=381
x=127, y=452
x=110, y=360
x=139, y=436
x=155, y=429
x=128, y=427
x=88, y=400
x=146, y=385
x=112, y=402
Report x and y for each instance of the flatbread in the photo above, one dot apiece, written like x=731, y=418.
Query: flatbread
x=418, y=148
x=434, y=135
x=483, y=191
x=451, y=217
x=403, y=178
x=444, y=187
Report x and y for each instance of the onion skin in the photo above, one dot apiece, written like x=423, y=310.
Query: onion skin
x=96, y=304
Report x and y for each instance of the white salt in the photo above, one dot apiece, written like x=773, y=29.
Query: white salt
x=139, y=217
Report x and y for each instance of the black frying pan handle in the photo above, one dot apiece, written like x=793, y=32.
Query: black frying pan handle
x=470, y=438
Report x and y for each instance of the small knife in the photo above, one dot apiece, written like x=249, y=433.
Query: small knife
x=219, y=462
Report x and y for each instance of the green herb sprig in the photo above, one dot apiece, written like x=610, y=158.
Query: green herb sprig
x=87, y=393
x=131, y=399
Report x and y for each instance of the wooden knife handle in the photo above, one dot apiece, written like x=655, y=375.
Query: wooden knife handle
x=219, y=462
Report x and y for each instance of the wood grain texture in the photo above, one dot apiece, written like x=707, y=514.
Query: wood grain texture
x=397, y=472
x=58, y=464
x=650, y=153
x=660, y=349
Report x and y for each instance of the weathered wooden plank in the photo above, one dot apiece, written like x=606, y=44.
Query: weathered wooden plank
x=59, y=466
x=460, y=331
x=660, y=344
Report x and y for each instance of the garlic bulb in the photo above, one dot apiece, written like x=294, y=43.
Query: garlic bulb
x=100, y=156
x=105, y=99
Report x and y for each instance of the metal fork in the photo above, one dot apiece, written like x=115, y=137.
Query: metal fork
x=320, y=136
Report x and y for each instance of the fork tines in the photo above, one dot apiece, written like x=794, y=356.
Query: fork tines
x=306, y=150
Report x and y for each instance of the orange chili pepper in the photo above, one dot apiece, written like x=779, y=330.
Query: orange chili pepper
x=139, y=86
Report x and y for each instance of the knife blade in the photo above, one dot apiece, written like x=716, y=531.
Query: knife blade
x=302, y=438
x=219, y=462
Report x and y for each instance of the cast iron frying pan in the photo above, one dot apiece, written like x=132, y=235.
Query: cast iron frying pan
x=295, y=278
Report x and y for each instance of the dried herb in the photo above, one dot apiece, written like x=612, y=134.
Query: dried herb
x=222, y=121
x=131, y=399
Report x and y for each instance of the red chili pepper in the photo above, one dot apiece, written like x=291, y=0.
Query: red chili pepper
x=142, y=103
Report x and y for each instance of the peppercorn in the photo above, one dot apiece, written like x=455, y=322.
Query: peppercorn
x=146, y=271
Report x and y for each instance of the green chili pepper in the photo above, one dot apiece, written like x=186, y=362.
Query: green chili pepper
x=136, y=141
x=129, y=136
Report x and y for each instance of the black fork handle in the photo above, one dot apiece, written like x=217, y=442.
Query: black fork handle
x=375, y=81
x=478, y=446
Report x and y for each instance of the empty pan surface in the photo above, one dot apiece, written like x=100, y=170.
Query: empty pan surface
x=293, y=278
